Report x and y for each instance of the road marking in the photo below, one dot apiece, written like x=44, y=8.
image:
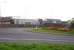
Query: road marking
x=54, y=40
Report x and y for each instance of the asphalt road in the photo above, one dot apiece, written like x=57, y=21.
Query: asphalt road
x=18, y=34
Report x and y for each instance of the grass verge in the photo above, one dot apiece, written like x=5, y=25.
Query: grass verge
x=55, y=32
x=42, y=46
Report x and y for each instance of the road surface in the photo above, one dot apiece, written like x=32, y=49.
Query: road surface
x=18, y=34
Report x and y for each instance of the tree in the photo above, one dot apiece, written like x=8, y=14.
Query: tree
x=40, y=22
x=72, y=23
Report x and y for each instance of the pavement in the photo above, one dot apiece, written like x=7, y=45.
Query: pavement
x=18, y=34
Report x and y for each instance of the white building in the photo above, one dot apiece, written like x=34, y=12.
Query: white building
x=24, y=21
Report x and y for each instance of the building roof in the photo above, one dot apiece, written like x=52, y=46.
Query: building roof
x=5, y=19
x=53, y=21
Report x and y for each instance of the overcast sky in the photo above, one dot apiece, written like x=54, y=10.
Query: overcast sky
x=60, y=9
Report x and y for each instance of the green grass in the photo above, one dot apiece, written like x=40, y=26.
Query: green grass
x=47, y=30
x=42, y=46
x=56, y=32
x=71, y=32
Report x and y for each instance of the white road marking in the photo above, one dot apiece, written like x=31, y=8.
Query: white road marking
x=12, y=39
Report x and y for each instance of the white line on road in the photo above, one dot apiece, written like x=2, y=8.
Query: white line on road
x=12, y=39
